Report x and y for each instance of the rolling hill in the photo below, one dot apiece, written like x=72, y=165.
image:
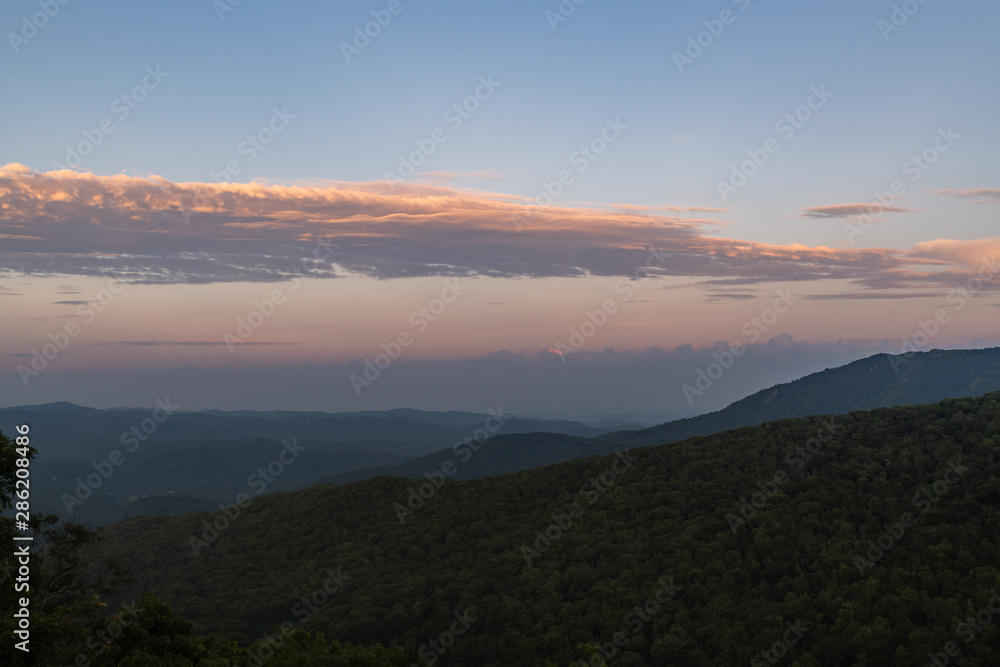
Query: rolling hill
x=865, y=538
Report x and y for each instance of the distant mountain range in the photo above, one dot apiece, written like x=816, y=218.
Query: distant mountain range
x=879, y=381
x=197, y=460
x=172, y=461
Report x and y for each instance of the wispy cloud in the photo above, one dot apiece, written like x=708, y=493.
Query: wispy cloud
x=730, y=296
x=850, y=210
x=182, y=343
x=870, y=295
x=977, y=195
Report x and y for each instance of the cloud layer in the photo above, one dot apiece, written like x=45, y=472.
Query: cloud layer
x=155, y=231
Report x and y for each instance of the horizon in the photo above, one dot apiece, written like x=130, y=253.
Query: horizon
x=586, y=416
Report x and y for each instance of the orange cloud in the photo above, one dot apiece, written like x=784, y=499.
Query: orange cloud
x=967, y=254
x=153, y=230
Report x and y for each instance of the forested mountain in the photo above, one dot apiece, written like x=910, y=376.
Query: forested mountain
x=871, y=538
x=879, y=381
x=190, y=461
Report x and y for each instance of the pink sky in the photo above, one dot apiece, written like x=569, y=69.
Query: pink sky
x=157, y=275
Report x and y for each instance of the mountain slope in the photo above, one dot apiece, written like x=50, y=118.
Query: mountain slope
x=879, y=381
x=871, y=537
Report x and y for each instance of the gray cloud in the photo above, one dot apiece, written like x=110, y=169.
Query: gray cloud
x=850, y=211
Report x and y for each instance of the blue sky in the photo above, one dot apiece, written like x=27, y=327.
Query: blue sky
x=557, y=86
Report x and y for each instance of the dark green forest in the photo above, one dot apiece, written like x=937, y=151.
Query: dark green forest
x=869, y=538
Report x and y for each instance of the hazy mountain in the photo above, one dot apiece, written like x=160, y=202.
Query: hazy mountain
x=879, y=381
x=210, y=456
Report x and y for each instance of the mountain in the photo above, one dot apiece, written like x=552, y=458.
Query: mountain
x=879, y=381
x=208, y=457
x=864, y=538
x=77, y=433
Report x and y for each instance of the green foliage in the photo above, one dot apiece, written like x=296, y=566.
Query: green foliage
x=790, y=561
x=70, y=623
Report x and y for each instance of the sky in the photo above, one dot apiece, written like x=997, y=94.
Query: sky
x=581, y=208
